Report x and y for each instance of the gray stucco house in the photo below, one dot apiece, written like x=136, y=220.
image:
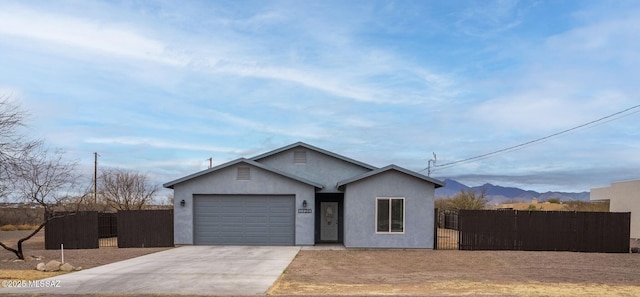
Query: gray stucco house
x=303, y=195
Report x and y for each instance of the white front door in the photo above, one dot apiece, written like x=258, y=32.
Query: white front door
x=329, y=221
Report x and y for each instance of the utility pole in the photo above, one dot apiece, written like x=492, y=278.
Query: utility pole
x=431, y=161
x=95, y=178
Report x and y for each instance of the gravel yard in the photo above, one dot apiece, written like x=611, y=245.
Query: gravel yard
x=403, y=272
x=86, y=258
x=446, y=273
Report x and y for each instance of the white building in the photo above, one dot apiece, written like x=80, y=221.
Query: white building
x=623, y=196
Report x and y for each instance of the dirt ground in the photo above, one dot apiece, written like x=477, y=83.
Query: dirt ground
x=400, y=272
x=455, y=273
x=34, y=247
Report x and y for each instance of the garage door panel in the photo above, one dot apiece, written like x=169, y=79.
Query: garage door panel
x=256, y=228
x=279, y=211
x=244, y=220
x=279, y=217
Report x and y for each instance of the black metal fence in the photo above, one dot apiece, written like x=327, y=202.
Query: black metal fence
x=108, y=229
x=91, y=229
x=446, y=229
x=544, y=231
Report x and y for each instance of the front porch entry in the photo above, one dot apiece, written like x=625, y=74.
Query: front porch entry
x=329, y=218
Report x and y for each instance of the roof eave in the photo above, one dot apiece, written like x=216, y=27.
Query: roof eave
x=437, y=183
x=170, y=184
x=314, y=148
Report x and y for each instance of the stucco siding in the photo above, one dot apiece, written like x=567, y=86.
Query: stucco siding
x=623, y=197
x=360, y=211
x=224, y=181
x=599, y=193
x=320, y=168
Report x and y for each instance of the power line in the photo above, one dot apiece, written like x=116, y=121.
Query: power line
x=483, y=156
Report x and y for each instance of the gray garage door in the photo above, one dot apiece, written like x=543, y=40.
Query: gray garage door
x=243, y=220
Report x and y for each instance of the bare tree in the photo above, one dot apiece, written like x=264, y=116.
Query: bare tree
x=29, y=172
x=14, y=146
x=168, y=200
x=47, y=179
x=125, y=189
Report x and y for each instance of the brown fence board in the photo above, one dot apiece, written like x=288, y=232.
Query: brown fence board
x=76, y=230
x=145, y=228
x=478, y=230
x=544, y=231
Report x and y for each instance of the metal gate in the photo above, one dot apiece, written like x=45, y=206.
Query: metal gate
x=446, y=232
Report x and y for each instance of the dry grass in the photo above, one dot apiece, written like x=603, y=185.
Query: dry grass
x=27, y=227
x=27, y=274
x=8, y=228
x=455, y=288
x=20, y=227
x=459, y=273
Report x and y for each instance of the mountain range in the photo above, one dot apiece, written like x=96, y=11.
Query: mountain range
x=498, y=194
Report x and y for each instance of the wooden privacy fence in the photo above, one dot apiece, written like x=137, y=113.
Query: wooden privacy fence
x=127, y=228
x=76, y=230
x=606, y=232
x=145, y=228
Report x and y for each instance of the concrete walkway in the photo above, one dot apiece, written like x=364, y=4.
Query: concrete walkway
x=194, y=270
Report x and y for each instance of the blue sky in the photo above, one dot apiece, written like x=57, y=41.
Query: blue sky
x=161, y=86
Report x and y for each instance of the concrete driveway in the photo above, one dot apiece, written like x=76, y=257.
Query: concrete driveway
x=195, y=270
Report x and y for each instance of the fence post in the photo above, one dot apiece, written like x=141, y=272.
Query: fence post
x=460, y=228
x=436, y=214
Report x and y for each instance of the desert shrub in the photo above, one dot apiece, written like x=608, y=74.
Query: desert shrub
x=532, y=207
x=554, y=200
x=21, y=215
x=602, y=206
x=8, y=228
x=468, y=199
x=441, y=203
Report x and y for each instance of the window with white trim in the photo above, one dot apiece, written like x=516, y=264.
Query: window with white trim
x=389, y=215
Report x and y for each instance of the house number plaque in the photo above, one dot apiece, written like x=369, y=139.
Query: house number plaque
x=304, y=210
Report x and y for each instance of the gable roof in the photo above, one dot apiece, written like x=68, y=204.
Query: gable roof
x=237, y=161
x=313, y=148
x=436, y=182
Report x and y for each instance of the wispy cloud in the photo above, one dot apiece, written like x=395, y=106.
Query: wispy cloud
x=128, y=41
x=114, y=39
x=149, y=83
x=488, y=18
x=133, y=141
x=295, y=130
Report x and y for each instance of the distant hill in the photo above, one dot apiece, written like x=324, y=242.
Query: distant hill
x=451, y=188
x=498, y=194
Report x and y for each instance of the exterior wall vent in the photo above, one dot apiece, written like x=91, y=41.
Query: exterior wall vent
x=244, y=173
x=300, y=157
